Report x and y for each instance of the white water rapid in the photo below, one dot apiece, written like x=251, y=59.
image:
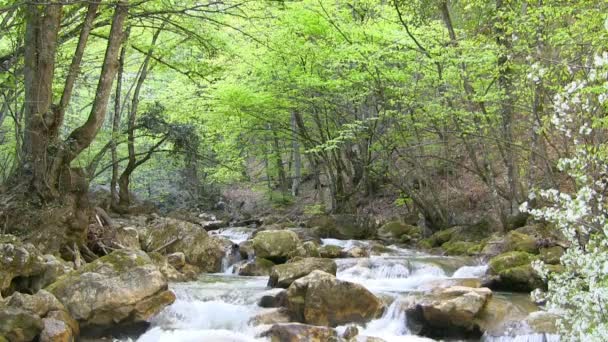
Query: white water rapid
x=219, y=307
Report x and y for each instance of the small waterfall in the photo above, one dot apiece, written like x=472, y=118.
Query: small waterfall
x=392, y=323
x=231, y=258
x=471, y=271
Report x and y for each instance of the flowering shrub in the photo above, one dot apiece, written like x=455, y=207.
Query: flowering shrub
x=580, y=292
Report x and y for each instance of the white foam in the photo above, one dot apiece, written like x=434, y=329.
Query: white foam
x=195, y=335
x=471, y=271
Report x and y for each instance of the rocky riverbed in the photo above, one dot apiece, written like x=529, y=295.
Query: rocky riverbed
x=172, y=280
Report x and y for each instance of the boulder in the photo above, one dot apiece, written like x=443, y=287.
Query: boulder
x=122, y=287
x=19, y=325
x=54, y=330
x=296, y=332
x=284, y=275
x=256, y=267
x=170, y=272
x=355, y=252
x=23, y=268
x=551, y=255
x=171, y=235
x=276, y=245
x=177, y=260
x=330, y=251
x=453, y=247
x=515, y=272
x=38, y=304
x=321, y=299
x=513, y=241
x=125, y=237
x=270, y=316
x=455, y=306
x=276, y=300
x=311, y=249
x=396, y=231
x=504, y=261
x=305, y=234
x=448, y=312
x=246, y=249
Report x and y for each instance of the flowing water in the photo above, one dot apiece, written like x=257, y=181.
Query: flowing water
x=219, y=307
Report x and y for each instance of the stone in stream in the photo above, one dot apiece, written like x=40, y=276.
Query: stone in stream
x=246, y=249
x=448, y=312
x=270, y=316
x=124, y=287
x=330, y=251
x=296, y=332
x=396, y=232
x=257, y=267
x=170, y=235
x=177, y=260
x=273, y=301
x=285, y=274
x=321, y=299
x=355, y=252
x=276, y=245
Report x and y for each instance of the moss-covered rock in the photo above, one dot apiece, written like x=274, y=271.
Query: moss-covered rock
x=257, y=267
x=520, y=278
x=296, y=332
x=504, y=261
x=169, y=235
x=284, y=275
x=19, y=325
x=551, y=255
x=427, y=243
x=122, y=287
x=396, y=231
x=515, y=272
x=19, y=261
x=246, y=249
x=311, y=249
x=459, y=247
x=330, y=251
x=276, y=245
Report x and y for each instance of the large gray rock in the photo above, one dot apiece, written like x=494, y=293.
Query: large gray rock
x=296, y=332
x=19, y=325
x=167, y=235
x=23, y=268
x=122, y=287
x=277, y=245
x=284, y=275
x=321, y=299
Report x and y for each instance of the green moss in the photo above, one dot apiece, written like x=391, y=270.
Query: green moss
x=521, y=278
x=458, y=247
x=330, y=251
x=504, y=261
x=551, y=255
x=475, y=249
x=443, y=236
x=517, y=241
x=428, y=243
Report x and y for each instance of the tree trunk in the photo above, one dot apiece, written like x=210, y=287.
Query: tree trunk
x=297, y=164
x=124, y=200
x=116, y=126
